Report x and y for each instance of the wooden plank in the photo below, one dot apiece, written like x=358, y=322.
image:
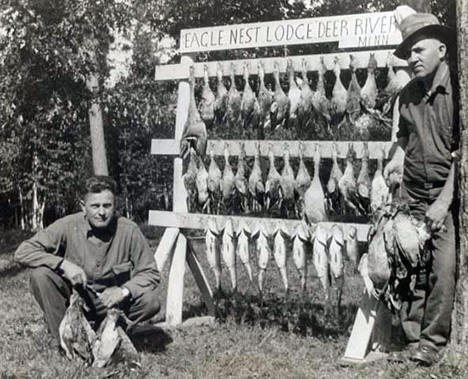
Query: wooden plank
x=175, y=287
x=166, y=247
x=181, y=70
x=200, y=279
x=359, y=340
x=199, y=221
x=356, y=30
x=278, y=147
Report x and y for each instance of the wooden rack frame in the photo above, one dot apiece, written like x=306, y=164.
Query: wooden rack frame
x=174, y=246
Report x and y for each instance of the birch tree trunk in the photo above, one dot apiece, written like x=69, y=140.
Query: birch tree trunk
x=460, y=313
x=98, y=145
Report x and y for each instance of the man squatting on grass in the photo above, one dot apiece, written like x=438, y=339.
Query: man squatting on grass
x=425, y=157
x=95, y=249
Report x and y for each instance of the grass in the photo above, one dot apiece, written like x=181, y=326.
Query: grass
x=280, y=338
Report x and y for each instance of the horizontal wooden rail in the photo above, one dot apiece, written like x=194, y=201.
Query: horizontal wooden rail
x=200, y=221
x=181, y=71
x=171, y=147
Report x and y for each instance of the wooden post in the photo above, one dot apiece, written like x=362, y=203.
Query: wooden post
x=460, y=313
x=175, y=289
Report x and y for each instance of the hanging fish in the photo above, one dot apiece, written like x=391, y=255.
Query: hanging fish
x=301, y=244
x=228, y=252
x=335, y=249
x=320, y=258
x=279, y=252
x=212, y=251
x=243, y=249
x=352, y=246
x=261, y=234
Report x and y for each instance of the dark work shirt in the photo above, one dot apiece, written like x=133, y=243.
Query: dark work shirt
x=123, y=257
x=427, y=120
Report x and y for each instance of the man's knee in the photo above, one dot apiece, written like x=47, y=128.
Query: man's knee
x=41, y=276
x=146, y=306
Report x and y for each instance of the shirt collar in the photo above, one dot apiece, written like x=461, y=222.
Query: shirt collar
x=88, y=229
x=439, y=83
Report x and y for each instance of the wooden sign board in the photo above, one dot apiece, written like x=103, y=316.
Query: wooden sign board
x=350, y=31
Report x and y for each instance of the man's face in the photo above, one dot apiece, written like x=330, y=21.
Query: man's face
x=99, y=208
x=425, y=56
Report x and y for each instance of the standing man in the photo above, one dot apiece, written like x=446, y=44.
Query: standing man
x=424, y=160
x=103, y=255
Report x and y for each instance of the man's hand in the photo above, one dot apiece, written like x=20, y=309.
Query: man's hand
x=436, y=214
x=393, y=172
x=74, y=273
x=112, y=296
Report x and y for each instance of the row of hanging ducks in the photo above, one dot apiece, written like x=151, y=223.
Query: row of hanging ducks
x=326, y=246
x=285, y=194
x=351, y=113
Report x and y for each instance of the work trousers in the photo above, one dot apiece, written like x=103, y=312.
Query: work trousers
x=426, y=318
x=52, y=293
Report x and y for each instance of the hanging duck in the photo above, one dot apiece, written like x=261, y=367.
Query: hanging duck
x=214, y=185
x=272, y=184
x=279, y=110
x=228, y=186
x=202, y=186
x=234, y=100
x=241, y=182
x=194, y=133
x=379, y=189
x=302, y=183
x=190, y=180
x=207, y=101
x=287, y=186
x=256, y=186
x=321, y=104
x=339, y=96
x=369, y=90
x=294, y=95
x=363, y=181
x=314, y=197
x=221, y=96
x=334, y=199
x=250, y=109
x=265, y=99
x=305, y=108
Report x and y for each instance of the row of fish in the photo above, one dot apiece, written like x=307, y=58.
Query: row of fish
x=326, y=247
x=347, y=112
x=294, y=195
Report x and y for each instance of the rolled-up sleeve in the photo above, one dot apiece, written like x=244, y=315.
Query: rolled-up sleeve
x=145, y=275
x=45, y=248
